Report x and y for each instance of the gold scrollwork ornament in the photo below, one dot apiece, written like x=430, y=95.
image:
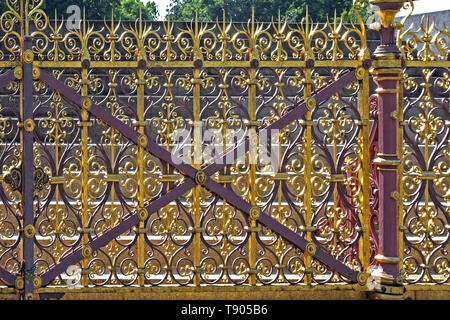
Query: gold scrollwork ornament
x=18, y=73
x=142, y=214
x=362, y=278
x=360, y=73
x=255, y=213
x=36, y=73
x=311, y=103
x=142, y=141
x=310, y=249
x=19, y=283
x=29, y=125
x=86, y=252
x=37, y=282
x=28, y=56
x=200, y=177
x=29, y=231
x=86, y=103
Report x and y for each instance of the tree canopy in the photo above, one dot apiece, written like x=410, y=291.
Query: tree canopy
x=98, y=9
x=240, y=10
x=208, y=10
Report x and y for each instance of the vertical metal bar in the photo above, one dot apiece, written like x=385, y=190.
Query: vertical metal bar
x=140, y=173
x=252, y=173
x=307, y=174
x=400, y=172
x=28, y=169
x=252, y=81
x=363, y=106
x=85, y=211
x=197, y=153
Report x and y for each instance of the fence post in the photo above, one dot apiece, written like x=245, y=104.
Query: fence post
x=387, y=74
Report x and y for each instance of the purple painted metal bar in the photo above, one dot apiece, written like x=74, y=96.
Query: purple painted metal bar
x=387, y=175
x=113, y=233
x=287, y=234
x=27, y=172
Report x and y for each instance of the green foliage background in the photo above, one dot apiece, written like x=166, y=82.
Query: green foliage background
x=209, y=10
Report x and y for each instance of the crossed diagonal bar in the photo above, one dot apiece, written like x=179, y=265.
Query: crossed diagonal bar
x=297, y=112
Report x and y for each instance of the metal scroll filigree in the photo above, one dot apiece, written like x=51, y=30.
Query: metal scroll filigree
x=224, y=80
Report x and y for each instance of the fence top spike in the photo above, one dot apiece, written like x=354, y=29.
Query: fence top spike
x=140, y=20
x=84, y=19
x=253, y=20
x=279, y=18
x=307, y=19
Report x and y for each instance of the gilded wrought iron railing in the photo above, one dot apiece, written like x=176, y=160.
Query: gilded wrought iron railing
x=106, y=202
x=424, y=149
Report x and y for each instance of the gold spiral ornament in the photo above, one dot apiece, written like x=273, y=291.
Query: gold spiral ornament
x=310, y=249
x=28, y=56
x=86, y=252
x=36, y=73
x=362, y=278
x=29, y=296
x=18, y=73
x=360, y=73
x=37, y=282
x=142, y=214
x=311, y=103
x=29, y=125
x=254, y=213
x=142, y=141
x=86, y=103
x=29, y=231
x=19, y=283
x=200, y=177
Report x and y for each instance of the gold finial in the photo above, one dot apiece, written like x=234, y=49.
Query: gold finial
x=307, y=20
x=196, y=21
x=279, y=19
x=223, y=19
x=335, y=19
x=84, y=20
x=253, y=20
x=140, y=20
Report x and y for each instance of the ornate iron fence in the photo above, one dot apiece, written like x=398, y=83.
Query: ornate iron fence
x=91, y=119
